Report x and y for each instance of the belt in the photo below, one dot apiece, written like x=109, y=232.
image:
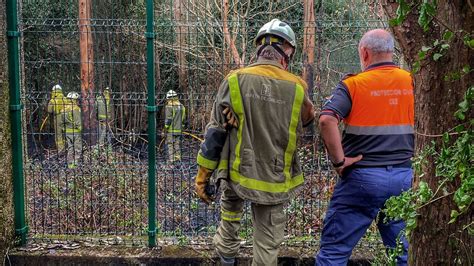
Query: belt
x=406, y=164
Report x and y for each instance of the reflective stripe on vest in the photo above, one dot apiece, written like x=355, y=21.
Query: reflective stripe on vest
x=172, y=130
x=251, y=183
x=380, y=130
x=72, y=130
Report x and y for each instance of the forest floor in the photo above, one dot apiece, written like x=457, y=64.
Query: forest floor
x=162, y=255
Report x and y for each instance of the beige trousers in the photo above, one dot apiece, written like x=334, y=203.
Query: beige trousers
x=268, y=228
x=74, y=149
x=59, y=132
x=174, y=150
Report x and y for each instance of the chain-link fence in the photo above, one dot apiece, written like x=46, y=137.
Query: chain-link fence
x=88, y=179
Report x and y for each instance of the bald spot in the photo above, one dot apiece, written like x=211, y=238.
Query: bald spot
x=377, y=41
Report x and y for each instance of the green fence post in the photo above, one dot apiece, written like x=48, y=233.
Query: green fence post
x=152, y=109
x=13, y=35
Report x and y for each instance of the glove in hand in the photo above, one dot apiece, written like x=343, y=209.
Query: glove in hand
x=231, y=118
x=201, y=183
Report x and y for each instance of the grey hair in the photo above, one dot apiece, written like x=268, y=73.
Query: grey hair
x=270, y=53
x=378, y=43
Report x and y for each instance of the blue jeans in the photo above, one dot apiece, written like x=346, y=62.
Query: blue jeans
x=355, y=203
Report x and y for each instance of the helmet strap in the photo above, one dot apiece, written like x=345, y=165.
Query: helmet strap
x=275, y=46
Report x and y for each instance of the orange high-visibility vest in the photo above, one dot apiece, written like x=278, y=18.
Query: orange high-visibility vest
x=381, y=121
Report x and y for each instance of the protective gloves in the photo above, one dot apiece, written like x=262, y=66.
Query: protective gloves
x=231, y=119
x=202, y=185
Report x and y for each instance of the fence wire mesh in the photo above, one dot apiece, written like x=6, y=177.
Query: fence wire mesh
x=103, y=194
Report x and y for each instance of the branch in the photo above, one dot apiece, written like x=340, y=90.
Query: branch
x=439, y=135
x=234, y=51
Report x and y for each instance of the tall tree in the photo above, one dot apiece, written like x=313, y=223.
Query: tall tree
x=87, y=62
x=436, y=38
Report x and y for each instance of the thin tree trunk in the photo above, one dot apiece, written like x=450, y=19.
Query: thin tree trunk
x=309, y=44
x=180, y=43
x=434, y=241
x=87, y=62
x=227, y=36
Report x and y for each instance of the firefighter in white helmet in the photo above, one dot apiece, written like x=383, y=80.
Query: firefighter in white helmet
x=175, y=114
x=256, y=159
x=55, y=109
x=73, y=128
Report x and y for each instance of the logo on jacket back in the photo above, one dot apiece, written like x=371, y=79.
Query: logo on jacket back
x=266, y=90
x=265, y=95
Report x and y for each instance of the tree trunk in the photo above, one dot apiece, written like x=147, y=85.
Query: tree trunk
x=181, y=32
x=227, y=36
x=6, y=193
x=309, y=44
x=434, y=241
x=87, y=63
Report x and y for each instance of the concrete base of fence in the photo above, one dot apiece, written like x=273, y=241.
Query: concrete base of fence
x=169, y=255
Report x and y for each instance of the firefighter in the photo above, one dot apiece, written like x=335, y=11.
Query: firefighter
x=73, y=127
x=174, y=119
x=55, y=110
x=257, y=161
x=104, y=115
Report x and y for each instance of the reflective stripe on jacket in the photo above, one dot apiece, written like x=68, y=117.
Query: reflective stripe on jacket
x=380, y=124
x=175, y=113
x=260, y=156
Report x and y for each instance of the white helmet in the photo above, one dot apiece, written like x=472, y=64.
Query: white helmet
x=57, y=87
x=278, y=28
x=171, y=94
x=73, y=95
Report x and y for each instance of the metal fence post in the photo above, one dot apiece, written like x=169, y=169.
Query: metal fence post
x=152, y=109
x=13, y=35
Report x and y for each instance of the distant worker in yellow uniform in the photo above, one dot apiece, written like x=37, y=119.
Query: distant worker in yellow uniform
x=175, y=114
x=104, y=115
x=55, y=110
x=73, y=128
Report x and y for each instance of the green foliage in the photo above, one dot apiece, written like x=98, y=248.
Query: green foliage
x=435, y=51
x=427, y=11
x=402, y=11
x=405, y=205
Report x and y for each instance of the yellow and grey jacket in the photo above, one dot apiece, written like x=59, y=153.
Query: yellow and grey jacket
x=72, y=118
x=175, y=114
x=104, y=108
x=57, y=102
x=259, y=157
